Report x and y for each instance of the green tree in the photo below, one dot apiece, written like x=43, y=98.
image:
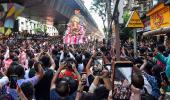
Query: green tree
x=38, y=30
x=45, y=28
x=126, y=32
x=99, y=7
x=108, y=10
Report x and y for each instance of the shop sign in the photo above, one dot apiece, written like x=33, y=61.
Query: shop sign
x=160, y=17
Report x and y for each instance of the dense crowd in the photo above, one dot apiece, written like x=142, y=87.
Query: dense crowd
x=45, y=71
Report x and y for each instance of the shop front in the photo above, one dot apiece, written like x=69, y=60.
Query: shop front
x=159, y=21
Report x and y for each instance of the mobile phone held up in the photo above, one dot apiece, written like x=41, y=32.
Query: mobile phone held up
x=13, y=81
x=98, y=67
x=122, y=80
x=84, y=78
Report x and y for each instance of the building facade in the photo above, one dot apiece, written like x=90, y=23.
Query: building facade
x=33, y=27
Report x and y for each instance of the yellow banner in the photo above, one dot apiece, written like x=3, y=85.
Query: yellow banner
x=160, y=18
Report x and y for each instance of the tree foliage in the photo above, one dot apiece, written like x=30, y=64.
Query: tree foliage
x=99, y=7
x=126, y=33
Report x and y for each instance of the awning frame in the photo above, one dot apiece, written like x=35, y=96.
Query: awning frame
x=164, y=30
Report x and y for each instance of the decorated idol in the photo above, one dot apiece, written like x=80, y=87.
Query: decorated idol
x=76, y=29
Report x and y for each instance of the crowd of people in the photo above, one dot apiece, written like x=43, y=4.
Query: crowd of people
x=39, y=70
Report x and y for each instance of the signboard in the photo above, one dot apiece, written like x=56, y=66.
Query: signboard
x=135, y=21
x=160, y=18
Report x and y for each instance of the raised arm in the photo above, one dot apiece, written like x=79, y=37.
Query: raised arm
x=160, y=56
x=39, y=74
x=94, y=85
x=6, y=53
x=20, y=93
x=89, y=63
x=53, y=82
x=106, y=61
x=52, y=61
x=143, y=65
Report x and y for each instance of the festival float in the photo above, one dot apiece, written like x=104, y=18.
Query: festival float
x=76, y=29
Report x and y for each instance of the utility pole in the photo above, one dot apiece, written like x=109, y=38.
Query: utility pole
x=135, y=42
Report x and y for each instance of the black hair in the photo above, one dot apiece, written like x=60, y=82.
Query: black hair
x=30, y=63
x=137, y=60
x=87, y=96
x=46, y=61
x=17, y=52
x=30, y=54
x=56, y=61
x=87, y=55
x=1, y=58
x=148, y=67
x=15, y=59
x=101, y=93
x=2, y=51
x=55, y=52
x=16, y=69
x=11, y=55
x=73, y=84
x=142, y=51
x=19, y=70
x=79, y=59
x=137, y=80
x=28, y=90
x=161, y=48
x=31, y=73
x=156, y=70
x=69, y=61
x=11, y=69
x=62, y=88
x=103, y=49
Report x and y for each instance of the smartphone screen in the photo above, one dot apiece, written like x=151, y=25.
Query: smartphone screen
x=164, y=77
x=122, y=80
x=84, y=78
x=13, y=81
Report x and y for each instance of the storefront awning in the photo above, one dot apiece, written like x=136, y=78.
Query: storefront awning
x=164, y=30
